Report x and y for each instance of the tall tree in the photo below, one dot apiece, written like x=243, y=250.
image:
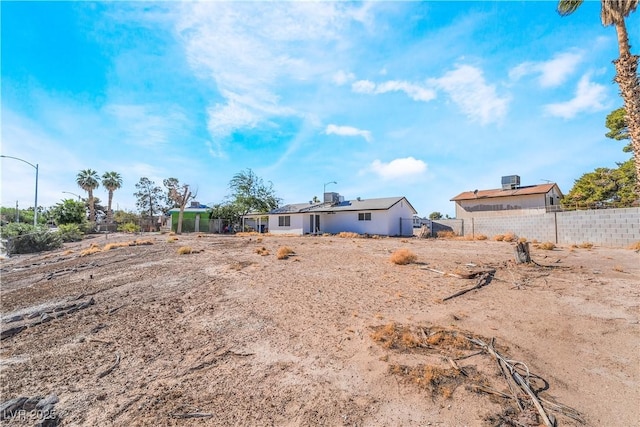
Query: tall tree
x=250, y=193
x=617, y=124
x=111, y=181
x=605, y=185
x=150, y=197
x=180, y=194
x=614, y=12
x=88, y=180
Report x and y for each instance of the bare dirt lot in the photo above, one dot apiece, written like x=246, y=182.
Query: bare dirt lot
x=336, y=334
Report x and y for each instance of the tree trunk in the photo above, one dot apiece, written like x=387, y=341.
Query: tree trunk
x=92, y=213
x=522, y=253
x=180, y=216
x=109, y=212
x=629, y=84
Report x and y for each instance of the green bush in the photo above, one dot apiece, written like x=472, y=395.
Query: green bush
x=129, y=227
x=70, y=232
x=39, y=239
x=14, y=229
x=69, y=212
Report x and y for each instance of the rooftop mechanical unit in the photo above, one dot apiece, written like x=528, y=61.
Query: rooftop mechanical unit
x=510, y=182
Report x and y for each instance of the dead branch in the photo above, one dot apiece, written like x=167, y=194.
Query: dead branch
x=114, y=366
x=113, y=310
x=125, y=407
x=548, y=419
x=484, y=280
x=192, y=415
x=444, y=273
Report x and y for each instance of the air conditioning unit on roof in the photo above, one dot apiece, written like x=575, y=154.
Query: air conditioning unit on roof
x=510, y=182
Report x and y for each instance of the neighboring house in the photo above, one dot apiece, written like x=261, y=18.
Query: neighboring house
x=507, y=200
x=389, y=216
x=195, y=218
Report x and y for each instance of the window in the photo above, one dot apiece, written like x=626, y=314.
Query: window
x=284, y=221
x=364, y=216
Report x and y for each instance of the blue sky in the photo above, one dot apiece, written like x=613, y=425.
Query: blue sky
x=420, y=99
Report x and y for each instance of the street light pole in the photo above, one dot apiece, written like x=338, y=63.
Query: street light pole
x=324, y=189
x=35, y=207
x=73, y=194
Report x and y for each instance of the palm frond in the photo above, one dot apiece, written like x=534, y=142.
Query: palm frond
x=567, y=7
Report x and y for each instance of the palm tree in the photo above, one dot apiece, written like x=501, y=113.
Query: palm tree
x=613, y=12
x=88, y=180
x=111, y=181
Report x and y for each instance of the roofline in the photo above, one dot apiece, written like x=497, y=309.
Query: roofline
x=456, y=199
x=313, y=209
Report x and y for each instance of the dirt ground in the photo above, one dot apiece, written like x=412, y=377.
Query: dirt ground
x=334, y=335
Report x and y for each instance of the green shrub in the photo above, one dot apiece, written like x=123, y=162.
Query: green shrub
x=38, y=240
x=129, y=227
x=70, y=232
x=14, y=229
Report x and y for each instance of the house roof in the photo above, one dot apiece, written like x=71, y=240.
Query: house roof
x=196, y=210
x=384, y=203
x=498, y=192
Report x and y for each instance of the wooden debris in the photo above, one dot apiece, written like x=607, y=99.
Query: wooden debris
x=192, y=415
x=509, y=366
x=522, y=253
x=445, y=273
x=44, y=316
x=114, y=366
x=484, y=280
x=12, y=332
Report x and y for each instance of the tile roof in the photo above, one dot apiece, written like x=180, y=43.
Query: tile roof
x=520, y=191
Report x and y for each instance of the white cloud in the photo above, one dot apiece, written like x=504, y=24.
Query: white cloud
x=468, y=89
x=348, y=131
x=342, y=77
x=147, y=125
x=251, y=51
x=413, y=91
x=589, y=97
x=552, y=73
x=224, y=118
x=398, y=168
x=364, y=86
x=215, y=149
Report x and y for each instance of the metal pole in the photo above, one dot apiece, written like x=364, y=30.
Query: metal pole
x=324, y=189
x=35, y=208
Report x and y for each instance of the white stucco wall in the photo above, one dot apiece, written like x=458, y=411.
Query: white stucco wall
x=296, y=227
x=383, y=222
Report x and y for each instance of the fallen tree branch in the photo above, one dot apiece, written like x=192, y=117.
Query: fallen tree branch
x=114, y=366
x=444, y=273
x=192, y=415
x=484, y=280
x=547, y=419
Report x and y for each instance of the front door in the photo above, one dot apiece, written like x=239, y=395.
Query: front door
x=314, y=223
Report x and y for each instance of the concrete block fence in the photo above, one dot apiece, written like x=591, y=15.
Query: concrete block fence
x=606, y=227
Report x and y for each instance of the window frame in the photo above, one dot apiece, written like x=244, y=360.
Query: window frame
x=284, y=221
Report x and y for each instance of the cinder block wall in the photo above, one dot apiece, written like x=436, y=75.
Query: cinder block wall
x=610, y=227
x=455, y=225
x=539, y=227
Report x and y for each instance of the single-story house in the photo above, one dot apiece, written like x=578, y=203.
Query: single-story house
x=388, y=216
x=511, y=197
x=195, y=218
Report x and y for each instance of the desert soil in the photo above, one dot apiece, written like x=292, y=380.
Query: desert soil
x=227, y=336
